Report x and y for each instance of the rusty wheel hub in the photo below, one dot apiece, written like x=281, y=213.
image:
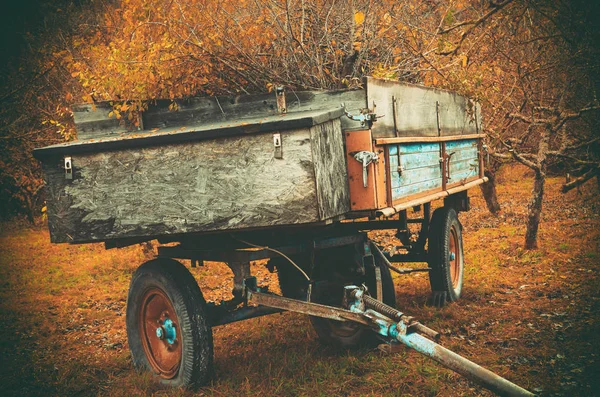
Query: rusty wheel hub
x=159, y=329
x=454, y=258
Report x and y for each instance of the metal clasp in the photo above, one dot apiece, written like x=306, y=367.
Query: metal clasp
x=68, y=168
x=277, y=145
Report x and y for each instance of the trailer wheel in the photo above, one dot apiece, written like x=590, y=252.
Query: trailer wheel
x=446, y=258
x=346, y=334
x=167, y=329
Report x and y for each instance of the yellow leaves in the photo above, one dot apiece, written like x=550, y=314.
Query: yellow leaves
x=270, y=87
x=464, y=60
x=359, y=17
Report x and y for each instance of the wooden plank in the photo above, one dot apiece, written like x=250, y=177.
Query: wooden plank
x=427, y=147
x=428, y=197
x=331, y=175
x=464, y=169
x=415, y=188
x=416, y=160
x=92, y=120
x=463, y=154
x=412, y=139
x=223, y=184
x=461, y=144
x=415, y=112
x=415, y=175
x=187, y=134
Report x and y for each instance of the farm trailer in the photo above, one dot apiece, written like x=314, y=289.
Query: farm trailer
x=298, y=178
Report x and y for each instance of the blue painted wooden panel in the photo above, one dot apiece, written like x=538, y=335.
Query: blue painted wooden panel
x=463, y=170
x=464, y=154
x=421, y=166
x=417, y=160
x=465, y=143
x=415, y=188
x=425, y=147
x=416, y=175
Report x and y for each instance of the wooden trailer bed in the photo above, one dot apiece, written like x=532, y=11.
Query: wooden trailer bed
x=250, y=162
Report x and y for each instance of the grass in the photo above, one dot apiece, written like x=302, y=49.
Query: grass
x=531, y=316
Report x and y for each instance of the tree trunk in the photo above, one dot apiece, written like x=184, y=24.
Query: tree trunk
x=29, y=209
x=489, y=192
x=535, y=210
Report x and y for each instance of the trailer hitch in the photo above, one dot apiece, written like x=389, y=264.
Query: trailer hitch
x=394, y=327
x=397, y=327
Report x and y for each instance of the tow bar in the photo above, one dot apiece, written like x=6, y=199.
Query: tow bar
x=394, y=327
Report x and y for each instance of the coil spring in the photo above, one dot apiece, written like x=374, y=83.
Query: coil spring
x=372, y=303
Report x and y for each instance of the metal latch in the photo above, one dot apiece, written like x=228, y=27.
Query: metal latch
x=277, y=145
x=365, y=158
x=68, y=168
x=446, y=159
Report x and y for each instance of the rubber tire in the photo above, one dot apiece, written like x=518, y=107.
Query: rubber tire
x=360, y=336
x=179, y=285
x=443, y=221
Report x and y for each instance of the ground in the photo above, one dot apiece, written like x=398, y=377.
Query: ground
x=531, y=316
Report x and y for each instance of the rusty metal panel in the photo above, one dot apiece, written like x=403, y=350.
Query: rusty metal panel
x=361, y=197
x=412, y=110
x=381, y=177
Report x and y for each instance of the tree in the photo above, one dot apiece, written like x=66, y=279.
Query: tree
x=35, y=99
x=543, y=90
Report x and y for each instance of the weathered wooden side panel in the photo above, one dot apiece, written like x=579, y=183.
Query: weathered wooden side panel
x=415, y=169
x=331, y=175
x=93, y=122
x=464, y=163
x=220, y=184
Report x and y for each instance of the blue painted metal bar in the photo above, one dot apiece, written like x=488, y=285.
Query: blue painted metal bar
x=402, y=329
x=461, y=365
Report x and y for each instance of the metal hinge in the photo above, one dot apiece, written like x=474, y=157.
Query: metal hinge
x=366, y=116
x=280, y=95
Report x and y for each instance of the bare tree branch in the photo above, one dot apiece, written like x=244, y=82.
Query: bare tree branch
x=580, y=180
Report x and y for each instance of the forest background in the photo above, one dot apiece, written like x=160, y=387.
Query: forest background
x=532, y=64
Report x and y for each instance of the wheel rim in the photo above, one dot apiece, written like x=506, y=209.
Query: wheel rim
x=160, y=333
x=454, y=258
